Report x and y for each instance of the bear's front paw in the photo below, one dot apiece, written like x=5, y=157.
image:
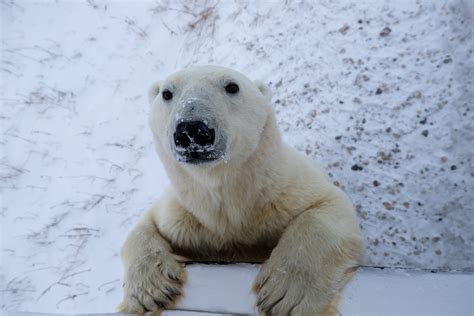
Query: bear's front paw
x=153, y=283
x=290, y=289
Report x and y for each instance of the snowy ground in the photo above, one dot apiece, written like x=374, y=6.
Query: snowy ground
x=379, y=91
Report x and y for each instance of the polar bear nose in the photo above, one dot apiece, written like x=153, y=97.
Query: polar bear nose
x=194, y=134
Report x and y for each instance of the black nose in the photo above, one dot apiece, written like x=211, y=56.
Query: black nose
x=193, y=135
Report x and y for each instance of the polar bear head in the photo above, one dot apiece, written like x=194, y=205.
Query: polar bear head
x=205, y=115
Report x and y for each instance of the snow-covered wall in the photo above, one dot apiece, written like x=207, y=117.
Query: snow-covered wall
x=380, y=92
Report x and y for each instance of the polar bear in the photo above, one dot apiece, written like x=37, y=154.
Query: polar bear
x=237, y=193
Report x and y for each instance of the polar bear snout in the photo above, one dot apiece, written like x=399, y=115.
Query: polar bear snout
x=194, y=135
x=197, y=141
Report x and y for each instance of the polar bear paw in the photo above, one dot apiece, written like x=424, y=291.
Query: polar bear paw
x=153, y=283
x=285, y=289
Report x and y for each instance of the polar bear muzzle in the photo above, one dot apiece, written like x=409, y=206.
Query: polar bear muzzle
x=195, y=138
x=192, y=136
x=195, y=142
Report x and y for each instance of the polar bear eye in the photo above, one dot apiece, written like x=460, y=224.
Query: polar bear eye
x=232, y=88
x=167, y=95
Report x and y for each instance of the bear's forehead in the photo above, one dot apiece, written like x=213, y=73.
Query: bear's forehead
x=205, y=75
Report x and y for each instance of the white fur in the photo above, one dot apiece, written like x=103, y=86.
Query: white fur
x=263, y=202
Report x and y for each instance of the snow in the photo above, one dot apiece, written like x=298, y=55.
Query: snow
x=379, y=91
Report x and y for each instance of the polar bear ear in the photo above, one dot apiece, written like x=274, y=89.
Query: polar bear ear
x=264, y=89
x=153, y=91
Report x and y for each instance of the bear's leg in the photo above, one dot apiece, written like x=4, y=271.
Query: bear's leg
x=154, y=276
x=316, y=256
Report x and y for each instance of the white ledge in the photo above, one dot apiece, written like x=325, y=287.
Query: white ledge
x=226, y=289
